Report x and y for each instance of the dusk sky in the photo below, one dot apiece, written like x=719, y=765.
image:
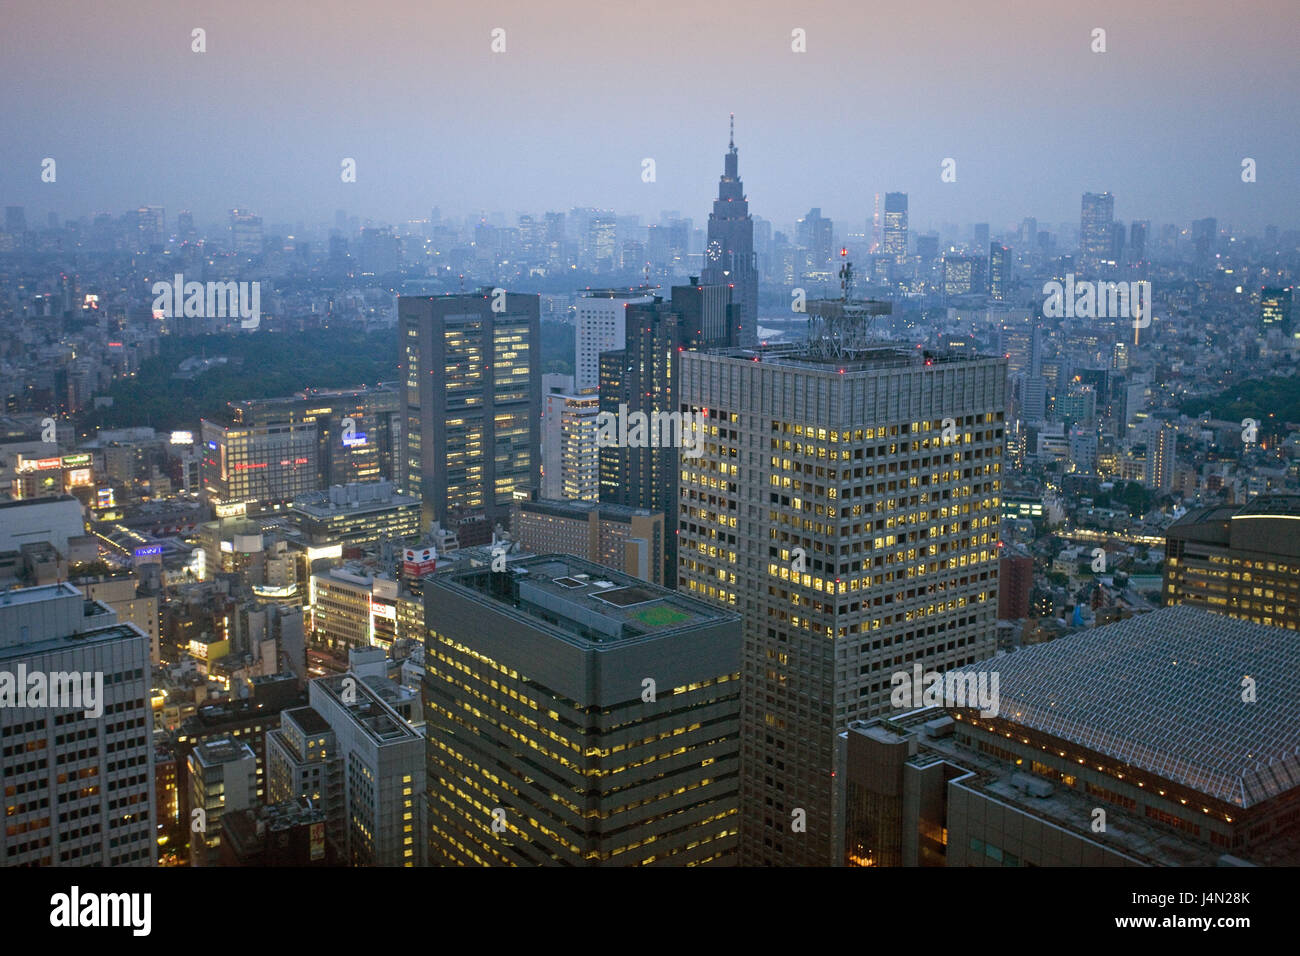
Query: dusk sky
x=586, y=90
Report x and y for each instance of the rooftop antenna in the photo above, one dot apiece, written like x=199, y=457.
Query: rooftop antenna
x=732, y=144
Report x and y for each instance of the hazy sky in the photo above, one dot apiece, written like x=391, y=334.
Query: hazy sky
x=587, y=89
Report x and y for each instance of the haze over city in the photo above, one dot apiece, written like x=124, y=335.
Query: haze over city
x=584, y=91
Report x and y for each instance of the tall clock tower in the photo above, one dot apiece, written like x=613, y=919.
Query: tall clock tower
x=729, y=257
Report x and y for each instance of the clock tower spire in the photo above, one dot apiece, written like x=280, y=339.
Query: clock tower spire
x=729, y=257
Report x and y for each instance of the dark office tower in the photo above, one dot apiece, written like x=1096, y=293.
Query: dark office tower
x=999, y=271
x=1204, y=233
x=245, y=233
x=927, y=250
x=642, y=377
x=1029, y=233
x=555, y=227
x=472, y=403
x=15, y=220
x=729, y=257
x=816, y=235
x=981, y=237
x=1275, y=310
x=894, y=242
x=1137, y=240
x=1095, y=240
x=1117, y=233
x=854, y=541
x=185, y=225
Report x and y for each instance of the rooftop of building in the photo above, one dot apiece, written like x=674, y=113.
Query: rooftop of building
x=45, y=500
x=39, y=593
x=568, y=508
x=309, y=719
x=629, y=293
x=1264, y=506
x=353, y=498
x=223, y=750
x=249, y=826
x=582, y=602
x=98, y=635
x=869, y=357
x=1054, y=803
x=1163, y=692
x=368, y=708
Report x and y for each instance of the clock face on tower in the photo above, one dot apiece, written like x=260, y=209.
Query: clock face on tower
x=714, y=251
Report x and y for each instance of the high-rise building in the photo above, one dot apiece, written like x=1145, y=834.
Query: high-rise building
x=847, y=505
x=578, y=716
x=1096, y=242
x=380, y=251
x=1028, y=236
x=1238, y=560
x=1162, y=449
x=1275, y=310
x=1137, y=240
x=570, y=458
x=258, y=465
x=999, y=271
x=630, y=540
x=472, y=402
x=959, y=275
x=894, y=240
x=382, y=767
x=601, y=321
x=981, y=232
x=359, y=430
x=303, y=763
x=729, y=258
x=600, y=235
x=245, y=233
x=78, y=764
x=816, y=234
x=222, y=777
x=642, y=378
x=1015, y=582
x=1205, y=233
x=15, y=220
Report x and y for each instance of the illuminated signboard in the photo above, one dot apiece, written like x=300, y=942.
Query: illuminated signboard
x=148, y=550
x=233, y=510
x=384, y=611
x=45, y=464
x=358, y=439
x=75, y=461
x=80, y=477
x=183, y=438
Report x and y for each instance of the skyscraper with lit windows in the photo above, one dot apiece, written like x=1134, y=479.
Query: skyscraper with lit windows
x=472, y=397
x=578, y=716
x=895, y=235
x=1096, y=242
x=847, y=505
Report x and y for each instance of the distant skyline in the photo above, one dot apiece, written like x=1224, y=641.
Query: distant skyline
x=585, y=91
